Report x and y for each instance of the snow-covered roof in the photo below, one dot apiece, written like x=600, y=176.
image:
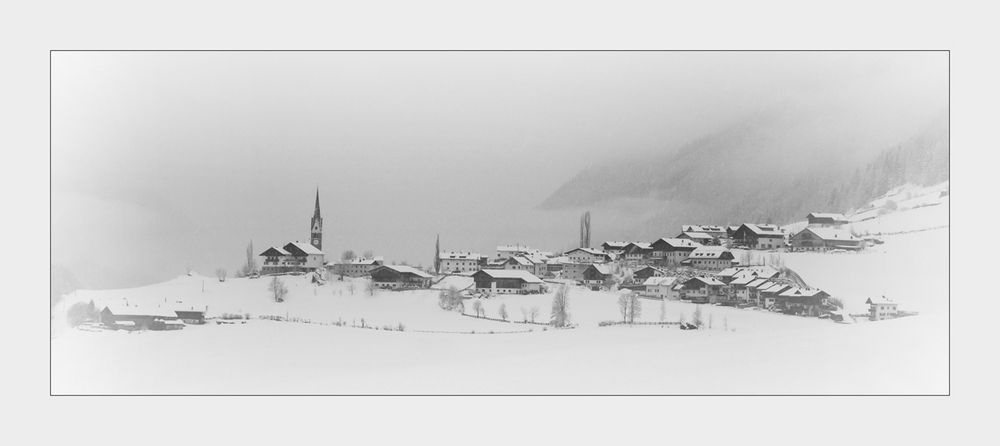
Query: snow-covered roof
x=800, y=292
x=678, y=242
x=512, y=274
x=830, y=215
x=407, y=269
x=278, y=251
x=364, y=261
x=306, y=248
x=775, y=288
x=459, y=255
x=880, y=300
x=521, y=260
x=641, y=245
x=705, y=280
x=831, y=234
x=141, y=310
x=660, y=281
x=618, y=245
x=697, y=235
x=709, y=252
x=603, y=269
x=758, y=283
x=460, y=282
x=745, y=279
x=591, y=251
x=728, y=272
x=765, y=230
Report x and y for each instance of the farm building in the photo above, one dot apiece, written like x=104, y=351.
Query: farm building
x=460, y=262
x=698, y=237
x=131, y=317
x=596, y=274
x=615, y=248
x=637, y=252
x=671, y=251
x=588, y=255
x=701, y=290
x=768, y=296
x=808, y=302
x=662, y=288
x=710, y=257
x=716, y=232
x=293, y=257
x=641, y=274
x=756, y=236
x=826, y=219
x=400, y=277
x=360, y=267
x=881, y=308
x=821, y=238
x=507, y=281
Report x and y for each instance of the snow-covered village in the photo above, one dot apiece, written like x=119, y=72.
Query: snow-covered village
x=829, y=286
x=473, y=224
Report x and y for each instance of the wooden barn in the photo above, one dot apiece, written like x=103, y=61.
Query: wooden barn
x=824, y=238
x=807, y=302
x=710, y=257
x=400, y=277
x=826, y=219
x=756, y=236
x=701, y=290
x=140, y=318
x=507, y=281
x=671, y=251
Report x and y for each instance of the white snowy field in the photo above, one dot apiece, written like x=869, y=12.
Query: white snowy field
x=745, y=351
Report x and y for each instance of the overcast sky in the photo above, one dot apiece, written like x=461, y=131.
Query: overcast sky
x=168, y=160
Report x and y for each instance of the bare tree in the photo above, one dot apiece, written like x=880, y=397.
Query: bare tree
x=250, y=267
x=503, y=312
x=710, y=320
x=623, y=307
x=560, y=307
x=348, y=255
x=477, y=306
x=278, y=289
x=663, y=310
x=533, y=314
x=370, y=287
x=696, y=316
x=524, y=314
x=350, y=287
x=634, y=307
x=221, y=274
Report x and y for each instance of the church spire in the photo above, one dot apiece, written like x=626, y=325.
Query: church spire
x=316, y=212
x=316, y=226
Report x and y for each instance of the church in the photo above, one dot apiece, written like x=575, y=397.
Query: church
x=297, y=256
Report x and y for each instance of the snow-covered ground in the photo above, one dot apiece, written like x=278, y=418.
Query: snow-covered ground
x=745, y=351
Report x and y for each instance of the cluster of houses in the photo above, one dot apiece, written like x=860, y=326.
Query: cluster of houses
x=695, y=265
x=148, y=317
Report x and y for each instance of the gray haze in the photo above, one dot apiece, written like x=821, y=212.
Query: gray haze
x=162, y=161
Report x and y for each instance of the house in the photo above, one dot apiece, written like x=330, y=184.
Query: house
x=671, y=251
x=756, y=236
x=821, y=238
x=768, y=296
x=636, y=252
x=530, y=263
x=701, y=289
x=506, y=281
x=140, y=317
x=641, y=274
x=596, y=274
x=194, y=317
x=698, y=237
x=710, y=257
x=807, y=302
x=739, y=290
x=588, y=255
x=615, y=248
x=826, y=219
x=293, y=257
x=506, y=251
x=728, y=274
x=573, y=271
x=400, y=277
x=715, y=232
x=753, y=290
x=360, y=267
x=661, y=287
x=459, y=262
x=881, y=308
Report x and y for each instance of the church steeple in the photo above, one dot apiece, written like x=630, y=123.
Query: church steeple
x=316, y=232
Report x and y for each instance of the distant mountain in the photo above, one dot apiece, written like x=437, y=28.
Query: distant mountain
x=772, y=168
